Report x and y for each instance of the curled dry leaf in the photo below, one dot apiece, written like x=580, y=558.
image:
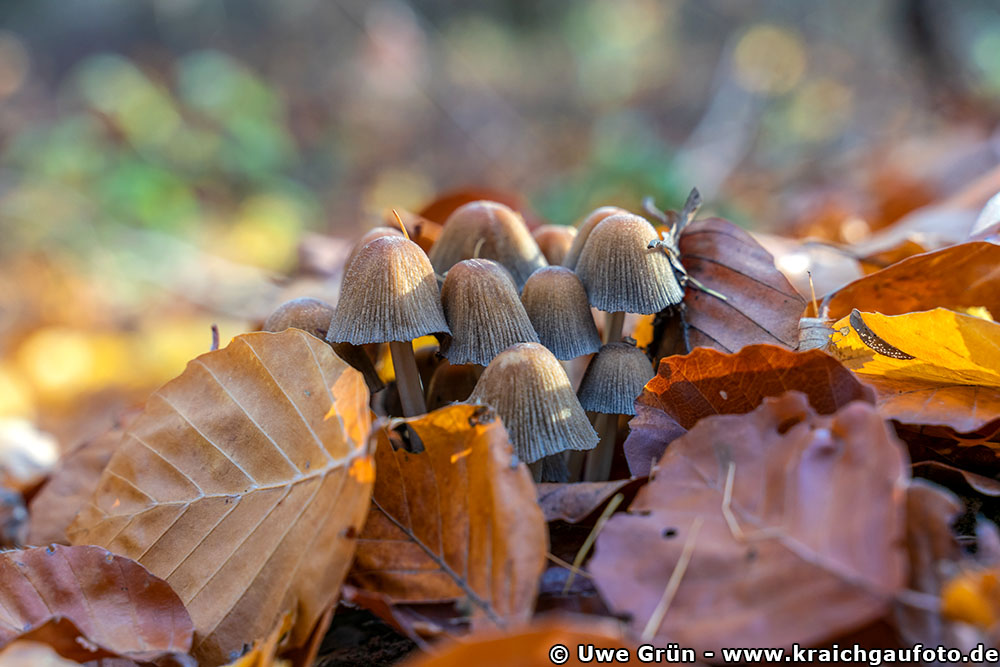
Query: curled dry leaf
x=707, y=382
x=573, y=503
x=456, y=522
x=961, y=276
x=105, y=605
x=530, y=647
x=761, y=306
x=243, y=484
x=69, y=487
x=801, y=540
x=934, y=367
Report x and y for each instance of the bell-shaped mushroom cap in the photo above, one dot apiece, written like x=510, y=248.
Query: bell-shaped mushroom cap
x=615, y=378
x=484, y=312
x=503, y=234
x=528, y=388
x=389, y=293
x=621, y=273
x=556, y=303
x=370, y=235
x=306, y=313
x=554, y=241
x=583, y=231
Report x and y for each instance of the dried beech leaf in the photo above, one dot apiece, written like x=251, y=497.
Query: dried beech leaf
x=264, y=651
x=243, y=484
x=101, y=605
x=69, y=487
x=576, y=502
x=456, y=521
x=933, y=367
x=960, y=276
x=706, y=382
x=530, y=647
x=761, y=306
x=812, y=547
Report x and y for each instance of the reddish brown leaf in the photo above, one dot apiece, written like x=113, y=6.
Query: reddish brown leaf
x=706, y=382
x=528, y=648
x=113, y=605
x=809, y=547
x=761, y=306
x=243, y=484
x=454, y=522
x=960, y=276
x=574, y=503
x=69, y=487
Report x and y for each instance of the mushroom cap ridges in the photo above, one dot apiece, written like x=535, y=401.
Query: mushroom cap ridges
x=614, y=379
x=621, y=273
x=531, y=393
x=306, y=313
x=583, y=231
x=557, y=305
x=484, y=312
x=389, y=293
x=505, y=239
x=368, y=237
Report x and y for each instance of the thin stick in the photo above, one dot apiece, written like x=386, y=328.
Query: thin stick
x=589, y=542
x=600, y=458
x=569, y=566
x=479, y=246
x=215, y=338
x=656, y=620
x=399, y=221
x=613, y=325
x=407, y=378
x=727, y=502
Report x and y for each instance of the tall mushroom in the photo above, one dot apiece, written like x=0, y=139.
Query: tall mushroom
x=488, y=230
x=583, y=231
x=623, y=274
x=529, y=389
x=612, y=382
x=556, y=303
x=390, y=294
x=483, y=312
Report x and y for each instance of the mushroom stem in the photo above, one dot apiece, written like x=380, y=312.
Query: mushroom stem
x=613, y=325
x=598, y=468
x=411, y=396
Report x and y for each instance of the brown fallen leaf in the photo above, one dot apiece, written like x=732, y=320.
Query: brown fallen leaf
x=935, y=367
x=761, y=306
x=69, y=487
x=801, y=540
x=456, y=522
x=707, y=382
x=104, y=605
x=418, y=622
x=961, y=276
x=575, y=502
x=950, y=477
x=529, y=647
x=243, y=484
x=264, y=652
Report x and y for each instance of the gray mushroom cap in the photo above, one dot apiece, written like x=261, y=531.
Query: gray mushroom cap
x=306, y=313
x=621, y=273
x=388, y=294
x=557, y=305
x=499, y=233
x=529, y=389
x=483, y=311
x=615, y=378
x=583, y=231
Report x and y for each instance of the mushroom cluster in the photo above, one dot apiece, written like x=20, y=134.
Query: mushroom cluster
x=506, y=324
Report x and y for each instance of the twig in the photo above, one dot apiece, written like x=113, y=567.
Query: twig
x=569, y=566
x=215, y=338
x=399, y=221
x=727, y=501
x=656, y=619
x=589, y=542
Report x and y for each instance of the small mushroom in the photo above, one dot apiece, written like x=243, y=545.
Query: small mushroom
x=556, y=303
x=612, y=382
x=622, y=274
x=451, y=383
x=488, y=230
x=483, y=311
x=390, y=294
x=554, y=241
x=529, y=389
x=583, y=231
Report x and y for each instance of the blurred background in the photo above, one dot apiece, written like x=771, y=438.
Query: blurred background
x=165, y=164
